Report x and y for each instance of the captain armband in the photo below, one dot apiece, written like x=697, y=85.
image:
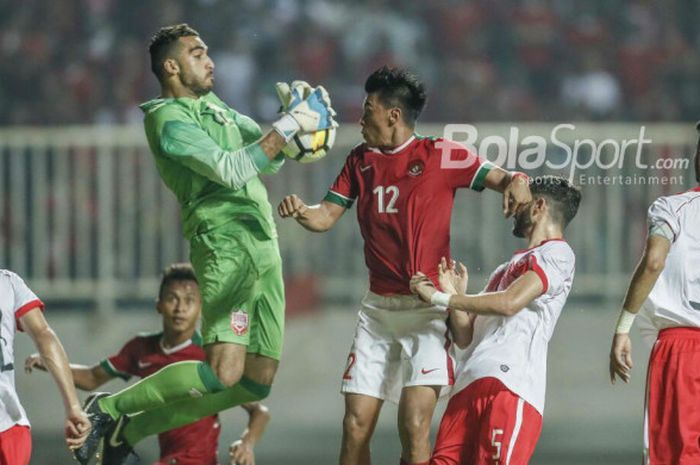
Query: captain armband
x=661, y=228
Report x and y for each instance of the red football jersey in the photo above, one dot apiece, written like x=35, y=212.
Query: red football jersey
x=193, y=444
x=404, y=205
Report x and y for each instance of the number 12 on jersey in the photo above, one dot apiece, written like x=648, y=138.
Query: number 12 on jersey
x=388, y=193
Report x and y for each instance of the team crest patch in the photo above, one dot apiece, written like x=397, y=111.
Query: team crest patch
x=416, y=167
x=239, y=322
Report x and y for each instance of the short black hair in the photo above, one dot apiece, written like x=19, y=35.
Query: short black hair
x=562, y=197
x=396, y=87
x=176, y=272
x=162, y=42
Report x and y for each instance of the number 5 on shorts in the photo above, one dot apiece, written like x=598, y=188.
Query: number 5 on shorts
x=496, y=444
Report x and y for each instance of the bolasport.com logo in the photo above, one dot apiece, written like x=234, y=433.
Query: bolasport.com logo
x=584, y=160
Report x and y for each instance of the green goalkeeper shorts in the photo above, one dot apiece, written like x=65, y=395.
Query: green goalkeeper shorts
x=240, y=279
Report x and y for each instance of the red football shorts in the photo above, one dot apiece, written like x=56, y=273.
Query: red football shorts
x=15, y=445
x=486, y=424
x=672, y=414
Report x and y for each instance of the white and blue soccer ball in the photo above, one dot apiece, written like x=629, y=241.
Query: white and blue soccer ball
x=308, y=148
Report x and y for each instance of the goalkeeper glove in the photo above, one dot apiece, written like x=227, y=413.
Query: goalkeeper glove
x=306, y=114
x=284, y=92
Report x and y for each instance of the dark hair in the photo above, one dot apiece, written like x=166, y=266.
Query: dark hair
x=562, y=197
x=176, y=272
x=397, y=87
x=162, y=43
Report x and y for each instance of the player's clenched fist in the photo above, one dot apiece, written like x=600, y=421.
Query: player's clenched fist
x=34, y=362
x=422, y=286
x=292, y=206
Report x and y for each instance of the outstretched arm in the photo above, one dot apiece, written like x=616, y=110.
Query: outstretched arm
x=49, y=346
x=316, y=218
x=508, y=302
x=84, y=377
x=515, y=187
x=241, y=451
x=185, y=141
x=645, y=275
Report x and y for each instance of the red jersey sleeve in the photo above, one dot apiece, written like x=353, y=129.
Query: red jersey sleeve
x=461, y=167
x=344, y=189
x=123, y=363
x=24, y=299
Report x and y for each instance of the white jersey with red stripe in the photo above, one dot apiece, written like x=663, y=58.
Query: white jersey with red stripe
x=17, y=299
x=675, y=299
x=513, y=349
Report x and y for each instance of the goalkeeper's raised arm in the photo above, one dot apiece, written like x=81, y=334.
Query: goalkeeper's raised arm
x=191, y=126
x=178, y=134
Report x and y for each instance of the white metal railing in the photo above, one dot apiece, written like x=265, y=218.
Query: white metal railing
x=85, y=216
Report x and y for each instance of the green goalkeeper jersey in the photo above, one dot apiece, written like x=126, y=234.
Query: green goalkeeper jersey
x=207, y=154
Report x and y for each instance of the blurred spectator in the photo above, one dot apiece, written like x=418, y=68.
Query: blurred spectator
x=85, y=62
x=592, y=90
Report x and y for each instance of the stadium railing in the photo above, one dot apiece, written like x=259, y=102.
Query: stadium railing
x=85, y=216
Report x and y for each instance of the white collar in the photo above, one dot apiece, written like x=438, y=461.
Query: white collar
x=174, y=349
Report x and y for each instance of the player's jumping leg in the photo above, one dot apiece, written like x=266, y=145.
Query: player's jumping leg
x=415, y=415
x=361, y=414
x=243, y=311
x=144, y=424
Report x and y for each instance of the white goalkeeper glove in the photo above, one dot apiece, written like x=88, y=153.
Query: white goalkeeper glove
x=306, y=114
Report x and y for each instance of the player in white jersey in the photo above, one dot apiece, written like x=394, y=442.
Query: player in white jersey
x=665, y=292
x=494, y=416
x=21, y=309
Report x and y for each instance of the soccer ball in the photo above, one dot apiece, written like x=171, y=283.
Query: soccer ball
x=308, y=148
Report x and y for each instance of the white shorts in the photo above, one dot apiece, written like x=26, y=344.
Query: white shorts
x=399, y=342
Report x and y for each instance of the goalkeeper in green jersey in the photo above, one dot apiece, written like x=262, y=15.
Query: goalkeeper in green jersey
x=211, y=157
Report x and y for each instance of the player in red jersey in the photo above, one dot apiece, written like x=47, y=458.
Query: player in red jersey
x=179, y=303
x=664, y=294
x=404, y=185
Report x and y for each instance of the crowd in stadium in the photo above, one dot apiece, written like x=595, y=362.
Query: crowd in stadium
x=84, y=61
